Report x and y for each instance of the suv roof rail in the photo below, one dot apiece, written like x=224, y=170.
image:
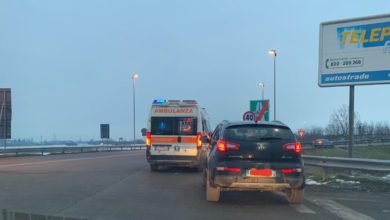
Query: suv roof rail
x=279, y=122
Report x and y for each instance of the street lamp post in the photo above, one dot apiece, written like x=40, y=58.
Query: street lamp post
x=134, y=76
x=261, y=85
x=273, y=53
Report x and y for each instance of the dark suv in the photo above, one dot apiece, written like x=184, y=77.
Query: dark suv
x=263, y=156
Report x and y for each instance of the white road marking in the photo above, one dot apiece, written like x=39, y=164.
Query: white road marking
x=68, y=160
x=340, y=210
x=354, y=199
x=302, y=209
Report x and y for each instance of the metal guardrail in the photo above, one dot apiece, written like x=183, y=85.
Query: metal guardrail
x=348, y=163
x=65, y=150
x=328, y=164
x=319, y=161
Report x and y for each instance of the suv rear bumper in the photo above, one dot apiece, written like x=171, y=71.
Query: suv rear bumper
x=237, y=182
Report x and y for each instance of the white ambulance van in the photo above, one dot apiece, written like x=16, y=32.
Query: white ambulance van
x=174, y=134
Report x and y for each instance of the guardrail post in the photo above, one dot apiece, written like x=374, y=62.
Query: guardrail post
x=326, y=173
x=63, y=150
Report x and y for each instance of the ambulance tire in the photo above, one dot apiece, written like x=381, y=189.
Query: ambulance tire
x=199, y=167
x=153, y=167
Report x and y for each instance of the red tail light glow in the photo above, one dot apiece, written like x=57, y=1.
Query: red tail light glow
x=294, y=170
x=199, y=141
x=228, y=169
x=148, y=140
x=223, y=146
x=293, y=147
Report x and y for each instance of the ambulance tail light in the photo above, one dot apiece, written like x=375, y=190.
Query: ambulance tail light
x=199, y=141
x=148, y=140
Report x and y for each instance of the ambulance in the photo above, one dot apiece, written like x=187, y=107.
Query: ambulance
x=174, y=134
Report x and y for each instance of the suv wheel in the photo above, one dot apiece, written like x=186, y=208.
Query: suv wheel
x=295, y=195
x=153, y=167
x=212, y=193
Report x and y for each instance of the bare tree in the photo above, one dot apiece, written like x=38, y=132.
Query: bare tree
x=338, y=123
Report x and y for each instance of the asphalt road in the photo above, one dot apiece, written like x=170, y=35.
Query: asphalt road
x=119, y=185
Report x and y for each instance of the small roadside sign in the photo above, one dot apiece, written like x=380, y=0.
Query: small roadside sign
x=301, y=133
x=249, y=116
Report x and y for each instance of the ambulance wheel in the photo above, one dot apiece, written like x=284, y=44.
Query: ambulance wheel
x=153, y=167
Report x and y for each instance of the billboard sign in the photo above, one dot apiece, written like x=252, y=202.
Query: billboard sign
x=5, y=113
x=355, y=52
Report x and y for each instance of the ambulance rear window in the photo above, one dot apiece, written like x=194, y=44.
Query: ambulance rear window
x=174, y=126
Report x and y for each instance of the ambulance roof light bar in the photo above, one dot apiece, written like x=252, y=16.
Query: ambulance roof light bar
x=190, y=101
x=159, y=101
x=174, y=102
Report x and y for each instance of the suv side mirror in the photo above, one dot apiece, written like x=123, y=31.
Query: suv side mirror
x=143, y=131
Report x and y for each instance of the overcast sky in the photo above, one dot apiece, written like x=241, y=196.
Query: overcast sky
x=69, y=63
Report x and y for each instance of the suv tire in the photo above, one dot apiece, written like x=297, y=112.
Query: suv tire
x=212, y=193
x=295, y=195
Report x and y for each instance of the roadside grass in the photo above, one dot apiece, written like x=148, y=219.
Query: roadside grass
x=314, y=173
x=367, y=152
x=368, y=181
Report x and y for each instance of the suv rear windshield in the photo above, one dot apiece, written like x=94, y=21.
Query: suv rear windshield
x=258, y=133
x=174, y=126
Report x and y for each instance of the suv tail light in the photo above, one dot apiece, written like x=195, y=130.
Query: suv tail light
x=148, y=140
x=293, y=147
x=199, y=141
x=223, y=146
x=293, y=170
x=228, y=169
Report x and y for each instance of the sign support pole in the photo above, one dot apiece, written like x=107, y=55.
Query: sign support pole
x=351, y=119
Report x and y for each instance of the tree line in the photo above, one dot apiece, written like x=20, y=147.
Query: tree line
x=338, y=128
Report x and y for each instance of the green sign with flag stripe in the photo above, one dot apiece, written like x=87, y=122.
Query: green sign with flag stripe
x=260, y=108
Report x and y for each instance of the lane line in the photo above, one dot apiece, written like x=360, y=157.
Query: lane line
x=68, y=160
x=302, y=209
x=354, y=199
x=340, y=211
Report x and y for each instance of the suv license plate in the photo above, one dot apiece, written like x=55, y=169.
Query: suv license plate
x=261, y=173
